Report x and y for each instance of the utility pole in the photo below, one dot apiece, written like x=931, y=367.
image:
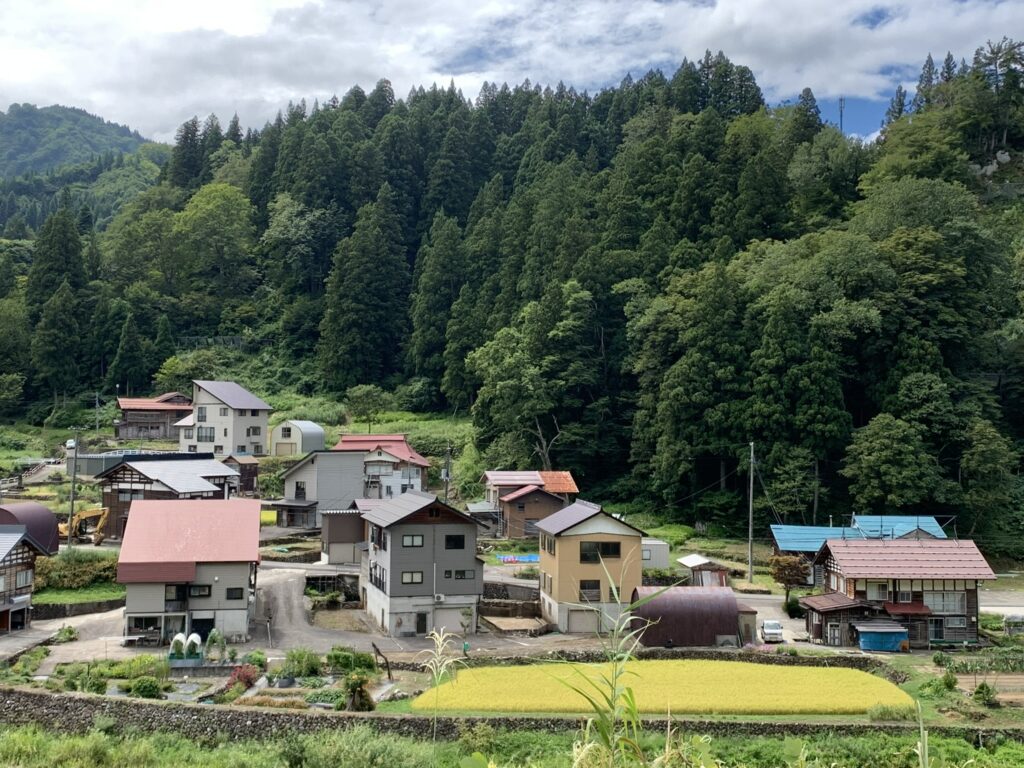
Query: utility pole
x=96, y=408
x=74, y=478
x=447, y=470
x=750, y=521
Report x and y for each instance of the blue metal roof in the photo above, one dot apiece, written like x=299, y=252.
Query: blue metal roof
x=809, y=538
x=896, y=526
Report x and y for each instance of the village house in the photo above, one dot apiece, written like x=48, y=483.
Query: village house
x=248, y=469
x=151, y=418
x=161, y=477
x=342, y=531
x=296, y=437
x=27, y=530
x=805, y=541
x=514, y=502
x=928, y=587
x=322, y=481
x=580, y=547
x=419, y=569
x=190, y=566
x=390, y=465
x=225, y=419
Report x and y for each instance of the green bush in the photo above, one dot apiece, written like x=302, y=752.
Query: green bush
x=327, y=696
x=75, y=568
x=985, y=695
x=256, y=658
x=941, y=659
x=301, y=662
x=65, y=634
x=147, y=687
x=342, y=659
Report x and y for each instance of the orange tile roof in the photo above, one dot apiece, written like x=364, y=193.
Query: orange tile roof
x=559, y=482
x=152, y=403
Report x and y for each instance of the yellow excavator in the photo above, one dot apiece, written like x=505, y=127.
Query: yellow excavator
x=99, y=514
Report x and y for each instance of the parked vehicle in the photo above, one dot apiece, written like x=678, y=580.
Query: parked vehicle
x=771, y=632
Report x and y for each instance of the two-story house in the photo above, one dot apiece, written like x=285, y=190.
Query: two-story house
x=27, y=530
x=162, y=477
x=419, y=569
x=151, y=418
x=190, y=566
x=390, y=465
x=927, y=586
x=226, y=419
x=322, y=481
x=514, y=502
x=584, y=551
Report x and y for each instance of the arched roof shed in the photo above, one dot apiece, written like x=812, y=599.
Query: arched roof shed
x=687, y=616
x=40, y=523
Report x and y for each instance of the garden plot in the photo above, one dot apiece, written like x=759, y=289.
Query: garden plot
x=679, y=687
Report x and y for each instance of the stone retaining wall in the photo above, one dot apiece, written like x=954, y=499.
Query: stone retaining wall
x=77, y=713
x=499, y=590
x=523, y=609
x=63, y=610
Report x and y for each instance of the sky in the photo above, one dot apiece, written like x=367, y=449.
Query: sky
x=152, y=64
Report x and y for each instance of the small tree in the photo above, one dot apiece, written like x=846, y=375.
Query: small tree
x=366, y=402
x=789, y=571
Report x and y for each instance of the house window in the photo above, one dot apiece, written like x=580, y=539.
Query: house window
x=412, y=540
x=946, y=602
x=254, y=412
x=447, y=574
x=199, y=590
x=469, y=574
x=23, y=578
x=433, y=513
x=241, y=449
x=223, y=411
x=405, y=488
x=129, y=495
x=590, y=591
x=201, y=413
x=206, y=435
x=878, y=591
x=234, y=593
x=595, y=551
x=3, y=582
x=549, y=544
x=904, y=597
x=252, y=431
x=225, y=431
x=412, y=577
x=286, y=432
x=188, y=433
x=645, y=554
x=455, y=541
x=387, y=491
x=218, y=449
x=956, y=622
x=193, y=449
x=520, y=507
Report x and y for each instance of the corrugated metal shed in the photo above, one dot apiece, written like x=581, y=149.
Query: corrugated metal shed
x=688, y=616
x=896, y=526
x=40, y=523
x=808, y=538
x=908, y=559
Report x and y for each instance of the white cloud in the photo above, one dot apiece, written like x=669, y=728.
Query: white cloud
x=152, y=64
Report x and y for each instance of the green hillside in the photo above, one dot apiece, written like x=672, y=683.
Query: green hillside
x=36, y=139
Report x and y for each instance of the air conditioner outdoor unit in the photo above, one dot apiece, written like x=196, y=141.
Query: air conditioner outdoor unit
x=438, y=598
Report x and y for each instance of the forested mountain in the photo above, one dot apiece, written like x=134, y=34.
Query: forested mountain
x=632, y=285
x=36, y=139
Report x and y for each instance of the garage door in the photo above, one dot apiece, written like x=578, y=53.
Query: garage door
x=449, y=618
x=284, y=449
x=583, y=622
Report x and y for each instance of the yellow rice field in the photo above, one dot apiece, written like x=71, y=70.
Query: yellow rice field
x=679, y=687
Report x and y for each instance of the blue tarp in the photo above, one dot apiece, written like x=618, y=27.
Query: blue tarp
x=888, y=640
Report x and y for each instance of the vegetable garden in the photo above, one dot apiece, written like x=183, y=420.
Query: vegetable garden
x=679, y=687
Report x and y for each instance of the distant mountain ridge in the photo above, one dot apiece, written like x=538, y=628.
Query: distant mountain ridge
x=37, y=139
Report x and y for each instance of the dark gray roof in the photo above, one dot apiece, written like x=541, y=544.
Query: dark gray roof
x=573, y=515
x=233, y=395
x=397, y=509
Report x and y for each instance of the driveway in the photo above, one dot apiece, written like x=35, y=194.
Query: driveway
x=770, y=607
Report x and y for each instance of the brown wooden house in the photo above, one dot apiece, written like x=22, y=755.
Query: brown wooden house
x=521, y=510
x=928, y=586
x=248, y=469
x=27, y=530
x=157, y=477
x=151, y=418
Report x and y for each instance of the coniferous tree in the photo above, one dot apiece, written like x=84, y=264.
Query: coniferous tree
x=57, y=258
x=806, y=118
x=948, y=71
x=234, y=131
x=56, y=342
x=366, y=314
x=186, y=163
x=897, y=106
x=129, y=368
x=925, y=84
x=164, y=346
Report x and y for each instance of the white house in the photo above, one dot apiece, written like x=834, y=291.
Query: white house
x=226, y=419
x=296, y=437
x=390, y=465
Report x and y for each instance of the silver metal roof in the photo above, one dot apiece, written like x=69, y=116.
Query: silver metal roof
x=184, y=476
x=10, y=535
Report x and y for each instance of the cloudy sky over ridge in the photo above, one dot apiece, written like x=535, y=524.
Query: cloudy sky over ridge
x=153, y=64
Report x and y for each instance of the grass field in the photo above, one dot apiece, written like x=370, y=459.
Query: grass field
x=679, y=687
x=88, y=594
x=268, y=517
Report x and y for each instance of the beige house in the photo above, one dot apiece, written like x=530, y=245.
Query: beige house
x=581, y=546
x=226, y=419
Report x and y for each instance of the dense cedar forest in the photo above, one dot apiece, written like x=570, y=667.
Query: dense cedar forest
x=632, y=285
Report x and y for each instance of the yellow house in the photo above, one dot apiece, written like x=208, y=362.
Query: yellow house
x=580, y=547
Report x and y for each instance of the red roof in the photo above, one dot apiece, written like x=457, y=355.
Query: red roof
x=908, y=559
x=152, y=403
x=524, y=491
x=559, y=482
x=907, y=609
x=396, y=445
x=164, y=540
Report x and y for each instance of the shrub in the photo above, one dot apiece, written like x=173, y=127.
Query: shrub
x=328, y=696
x=793, y=608
x=301, y=662
x=139, y=666
x=256, y=658
x=881, y=713
x=232, y=655
x=529, y=572
x=312, y=682
x=480, y=737
x=985, y=695
x=147, y=687
x=246, y=674
x=276, y=703
x=65, y=634
x=340, y=660
x=75, y=568
x=941, y=659
x=359, y=698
